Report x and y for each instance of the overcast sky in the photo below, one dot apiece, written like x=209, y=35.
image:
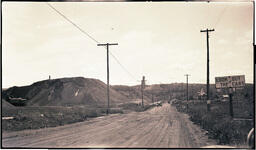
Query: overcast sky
x=159, y=40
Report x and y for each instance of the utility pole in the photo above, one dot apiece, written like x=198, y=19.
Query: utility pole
x=208, y=74
x=182, y=88
x=152, y=98
x=187, y=89
x=107, y=45
x=142, y=89
x=192, y=93
x=231, y=102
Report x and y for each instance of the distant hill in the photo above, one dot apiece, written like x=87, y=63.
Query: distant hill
x=86, y=91
x=133, y=93
x=178, y=90
x=65, y=92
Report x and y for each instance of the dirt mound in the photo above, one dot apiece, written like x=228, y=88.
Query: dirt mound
x=6, y=105
x=65, y=92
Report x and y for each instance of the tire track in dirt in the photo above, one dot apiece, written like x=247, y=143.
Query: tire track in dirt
x=104, y=137
x=126, y=137
x=90, y=133
x=142, y=141
x=49, y=136
x=55, y=139
x=141, y=137
x=161, y=133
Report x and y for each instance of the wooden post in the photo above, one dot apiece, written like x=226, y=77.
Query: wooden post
x=107, y=70
x=187, y=90
x=152, y=98
x=208, y=68
x=231, y=102
x=142, y=89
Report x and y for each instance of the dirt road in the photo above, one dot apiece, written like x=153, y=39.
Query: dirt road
x=159, y=127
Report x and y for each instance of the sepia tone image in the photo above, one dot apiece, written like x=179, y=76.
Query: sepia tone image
x=127, y=75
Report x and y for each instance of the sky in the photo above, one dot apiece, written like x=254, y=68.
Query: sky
x=160, y=40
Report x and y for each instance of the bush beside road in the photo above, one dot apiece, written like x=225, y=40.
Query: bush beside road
x=137, y=107
x=52, y=116
x=217, y=122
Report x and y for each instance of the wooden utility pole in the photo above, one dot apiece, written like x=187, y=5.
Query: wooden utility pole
x=208, y=74
x=231, y=102
x=183, y=92
x=152, y=98
x=187, y=89
x=107, y=45
x=192, y=93
x=142, y=89
x=254, y=59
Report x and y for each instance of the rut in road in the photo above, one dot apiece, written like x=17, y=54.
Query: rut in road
x=159, y=127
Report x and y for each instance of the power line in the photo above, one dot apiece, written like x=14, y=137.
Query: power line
x=107, y=45
x=122, y=66
x=142, y=90
x=80, y=29
x=208, y=66
x=219, y=18
x=187, y=89
x=208, y=13
x=88, y=35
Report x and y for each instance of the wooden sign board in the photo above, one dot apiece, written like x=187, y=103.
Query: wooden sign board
x=230, y=82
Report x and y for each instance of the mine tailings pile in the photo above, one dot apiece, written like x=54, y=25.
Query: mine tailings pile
x=56, y=102
x=62, y=92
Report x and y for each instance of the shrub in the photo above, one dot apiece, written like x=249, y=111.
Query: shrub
x=32, y=118
x=217, y=122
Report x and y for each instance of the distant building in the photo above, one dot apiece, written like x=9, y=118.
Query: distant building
x=201, y=94
x=225, y=97
x=17, y=101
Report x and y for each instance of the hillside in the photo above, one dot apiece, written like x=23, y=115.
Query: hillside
x=65, y=92
x=133, y=93
x=178, y=90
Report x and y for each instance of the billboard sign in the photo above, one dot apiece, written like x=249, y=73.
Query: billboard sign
x=230, y=81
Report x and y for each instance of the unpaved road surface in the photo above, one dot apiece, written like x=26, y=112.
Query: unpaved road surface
x=159, y=127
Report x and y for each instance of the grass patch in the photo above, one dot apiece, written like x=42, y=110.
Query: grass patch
x=42, y=117
x=135, y=107
x=218, y=123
